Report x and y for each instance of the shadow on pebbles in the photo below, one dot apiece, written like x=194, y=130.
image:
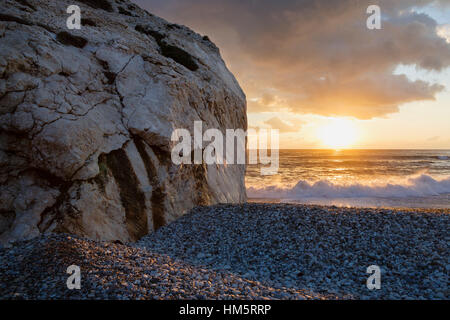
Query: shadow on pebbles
x=251, y=251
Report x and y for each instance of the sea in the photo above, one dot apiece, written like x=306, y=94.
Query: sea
x=356, y=178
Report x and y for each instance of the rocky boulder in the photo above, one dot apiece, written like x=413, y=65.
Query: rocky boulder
x=86, y=118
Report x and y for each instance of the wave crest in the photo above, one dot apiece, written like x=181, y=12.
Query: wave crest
x=419, y=186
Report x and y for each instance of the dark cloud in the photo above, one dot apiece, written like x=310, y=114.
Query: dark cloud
x=317, y=56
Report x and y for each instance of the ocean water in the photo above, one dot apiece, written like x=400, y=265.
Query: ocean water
x=361, y=178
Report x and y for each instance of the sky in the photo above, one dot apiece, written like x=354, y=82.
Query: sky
x=313, y=70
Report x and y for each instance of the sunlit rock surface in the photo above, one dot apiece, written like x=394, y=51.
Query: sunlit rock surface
x=86, y=118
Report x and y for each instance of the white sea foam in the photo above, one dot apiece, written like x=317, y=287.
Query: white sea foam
x=422, y=185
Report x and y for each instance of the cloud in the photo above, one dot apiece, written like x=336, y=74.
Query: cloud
x=444, y=32
x=317, y=56
x=267, y=102
x=277, y=123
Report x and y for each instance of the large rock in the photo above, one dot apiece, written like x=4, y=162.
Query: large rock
x=86, y=118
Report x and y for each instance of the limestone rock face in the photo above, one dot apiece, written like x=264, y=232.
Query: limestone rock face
x=86, y=118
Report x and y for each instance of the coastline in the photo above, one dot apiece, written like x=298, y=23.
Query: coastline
x=247, y=251
x=432, y=202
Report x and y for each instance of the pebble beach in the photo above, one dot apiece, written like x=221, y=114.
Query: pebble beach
x=249, y=251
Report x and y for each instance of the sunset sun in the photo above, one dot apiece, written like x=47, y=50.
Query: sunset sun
x=337, y=134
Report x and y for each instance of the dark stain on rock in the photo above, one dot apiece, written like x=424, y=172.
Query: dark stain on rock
x=178, y=55
x=104, y=64
x=131, y=7
x=26, y=4
x=201, y=185
x=54, y=212
x=125, y=12
x=200, y=172
x=98, y=4
x=52, y=180
x=6, y=220
x=173, y=26
x=169, y=51
x=155, y=34
x=158, y=197
x=158, y=192
x=111, y=76
x=149, y=167
x=132, y=198
x=68, y=39
x=10, y=18
x=102, y=178
x=64, y=74
x=163, y=156
x=88, y=22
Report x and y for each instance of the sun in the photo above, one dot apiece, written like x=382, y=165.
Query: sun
x=338, y=133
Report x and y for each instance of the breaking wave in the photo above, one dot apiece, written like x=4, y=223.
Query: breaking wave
x=416, y=186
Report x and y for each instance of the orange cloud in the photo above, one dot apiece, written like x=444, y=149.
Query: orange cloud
x=277, y=123
x=317, y=56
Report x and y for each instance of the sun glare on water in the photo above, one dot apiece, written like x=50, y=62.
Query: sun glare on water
x=337, y=134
